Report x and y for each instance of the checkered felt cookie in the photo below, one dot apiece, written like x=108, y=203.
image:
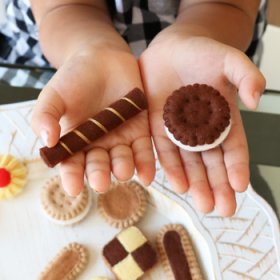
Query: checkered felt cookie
x=129, y=254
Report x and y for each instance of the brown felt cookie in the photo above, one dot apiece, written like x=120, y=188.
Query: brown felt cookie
x=124, y=204
x=68, y=264
x=177, y=254
x=197, y=117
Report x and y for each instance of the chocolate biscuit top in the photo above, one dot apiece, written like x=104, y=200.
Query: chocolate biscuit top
x=196, y=114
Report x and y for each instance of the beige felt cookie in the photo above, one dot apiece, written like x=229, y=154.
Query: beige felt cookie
x=124, y=204
x=177, y=254
x=61, y=208
x=68, y=264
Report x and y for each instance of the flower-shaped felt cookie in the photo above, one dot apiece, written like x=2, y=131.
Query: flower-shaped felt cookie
x=12, y=177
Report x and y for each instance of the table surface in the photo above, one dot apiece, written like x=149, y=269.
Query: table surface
x=246, y=245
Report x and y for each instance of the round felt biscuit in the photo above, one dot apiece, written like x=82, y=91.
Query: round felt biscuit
x=62, y=208
x=124, y=204
x=196, y=114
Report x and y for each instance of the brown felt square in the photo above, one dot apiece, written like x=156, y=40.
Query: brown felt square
x=145, y=256
x=114, y=252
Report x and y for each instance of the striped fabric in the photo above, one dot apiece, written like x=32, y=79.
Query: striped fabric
x=138, y=21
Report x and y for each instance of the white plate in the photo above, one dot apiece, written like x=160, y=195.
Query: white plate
x=245, y=246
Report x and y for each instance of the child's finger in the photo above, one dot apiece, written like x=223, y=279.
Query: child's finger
x=236, y=156
x=217, y=176
x=171, y=162
x=46, y=116
x=199, y=186
x=98, y=171
x=144, y=159
x=122, y=162
x=247, y=78
x=72, y=174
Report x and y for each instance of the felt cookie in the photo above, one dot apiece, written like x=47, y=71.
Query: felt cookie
x=129, y=254
x=177, y=254
x=68, y=264
x=124, y=204
x=12, y=177
x=102, y=123
x=61, y=208
x=197, y=117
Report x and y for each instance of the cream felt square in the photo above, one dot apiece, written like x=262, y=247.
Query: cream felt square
x=131, y=238
x=127, y=269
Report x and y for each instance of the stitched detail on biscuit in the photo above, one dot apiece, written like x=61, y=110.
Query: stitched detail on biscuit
x=62, y=208
x=68, y=264
x=124, y=204
x=196, y=114
x=177, y=254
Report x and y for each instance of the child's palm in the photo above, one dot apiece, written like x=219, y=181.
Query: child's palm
x=211, y=176
x=82, y=87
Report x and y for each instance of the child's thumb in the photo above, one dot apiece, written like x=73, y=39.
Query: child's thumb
x=247, y=78
x=46, y=115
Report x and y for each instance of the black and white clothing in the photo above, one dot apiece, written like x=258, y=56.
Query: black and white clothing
x=138, y=21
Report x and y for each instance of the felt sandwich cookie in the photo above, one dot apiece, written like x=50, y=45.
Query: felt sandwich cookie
x=177, y=254
x=129, y=254
x=124, y=204
x=102, y=123
x=68, y=264
x=196, y=117
x=61, y=208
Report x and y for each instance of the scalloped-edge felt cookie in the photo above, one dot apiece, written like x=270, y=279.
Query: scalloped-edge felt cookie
x=177, y=254
x=61, y=208
x=12, y=176
x=124, y=204
x=68, y=264
x=196, y=117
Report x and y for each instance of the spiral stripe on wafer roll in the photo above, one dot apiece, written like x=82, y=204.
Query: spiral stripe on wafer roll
x=105, y=121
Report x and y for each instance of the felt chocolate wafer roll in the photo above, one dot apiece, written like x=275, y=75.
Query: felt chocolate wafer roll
x=106, y=120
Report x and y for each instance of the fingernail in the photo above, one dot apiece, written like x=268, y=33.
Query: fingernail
x=70, y=193
x=99, y=192
x=45, y=137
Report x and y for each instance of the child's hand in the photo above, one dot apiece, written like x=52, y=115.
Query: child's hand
x=83, y=86
x=172, y=61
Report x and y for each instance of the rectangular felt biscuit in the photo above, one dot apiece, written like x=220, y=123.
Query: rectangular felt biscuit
x=130, y=254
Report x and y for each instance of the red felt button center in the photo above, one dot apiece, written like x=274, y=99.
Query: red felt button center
x=5, y=177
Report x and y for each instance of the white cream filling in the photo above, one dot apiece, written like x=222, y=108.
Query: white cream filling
x=199, y=148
